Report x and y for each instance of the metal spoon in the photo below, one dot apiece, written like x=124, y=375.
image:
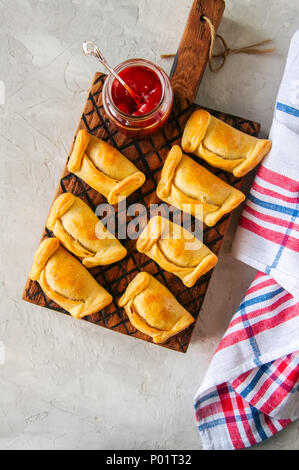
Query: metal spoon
x=90, y=48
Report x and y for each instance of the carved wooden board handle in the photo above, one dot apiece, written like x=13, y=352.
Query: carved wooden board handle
x=193, y=52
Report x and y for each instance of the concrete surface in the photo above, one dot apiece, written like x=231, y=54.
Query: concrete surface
x=65, y=383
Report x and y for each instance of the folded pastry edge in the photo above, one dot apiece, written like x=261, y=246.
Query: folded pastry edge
x=172, y=160
x=147, y=244
x=262, y=148
x=44, y=251
x=37, y=273
x=126, y=187
x=115, y=254
x=217, y=161
x=208, y=263
x=195, y=130
x=76, y=308
x=81, y=143
x=164, y=191
x=135, y=287
x=235, y=198
x=60, y=206
x=150, y=234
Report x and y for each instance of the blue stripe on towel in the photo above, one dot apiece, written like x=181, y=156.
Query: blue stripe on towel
x=273, y=207
x=287, y=109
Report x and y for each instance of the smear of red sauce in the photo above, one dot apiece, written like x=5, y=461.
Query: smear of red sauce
x=147, y=86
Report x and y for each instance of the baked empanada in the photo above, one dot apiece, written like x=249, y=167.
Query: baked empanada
x=64, y=280
x=153, y=310
x=82, y=233
x=221, y=145
x=187, y=185
x=104, y=168
x=176, y=250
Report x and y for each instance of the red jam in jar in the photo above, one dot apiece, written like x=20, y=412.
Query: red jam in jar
x=146, y=85
x=155, y=98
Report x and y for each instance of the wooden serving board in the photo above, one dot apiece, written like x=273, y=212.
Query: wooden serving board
x=149, y=155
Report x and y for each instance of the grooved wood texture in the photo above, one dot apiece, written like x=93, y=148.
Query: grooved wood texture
x=148, y=155
x=193, y=51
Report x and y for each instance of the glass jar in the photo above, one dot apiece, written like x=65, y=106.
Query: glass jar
x=145, y=124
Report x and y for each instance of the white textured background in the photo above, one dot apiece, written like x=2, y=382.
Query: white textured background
x=65, y=383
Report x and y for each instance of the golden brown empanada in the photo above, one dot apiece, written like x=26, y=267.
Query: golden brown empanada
x=187, y=185
x=176, y=250
x=221, y=145
x=153, y=310
x=104, y=168
x=82, y=233
x=64, y=280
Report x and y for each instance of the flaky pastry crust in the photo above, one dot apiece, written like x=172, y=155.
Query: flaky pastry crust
x=104, y=168
x=64, y=280
x=221, y=145
x=192, y=188
x=81, y=232
x=176, y=250
x=153, y=310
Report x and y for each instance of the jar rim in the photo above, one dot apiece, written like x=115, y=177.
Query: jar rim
x=135, y=62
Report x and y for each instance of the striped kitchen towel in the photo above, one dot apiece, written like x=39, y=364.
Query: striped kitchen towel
x=251, y=389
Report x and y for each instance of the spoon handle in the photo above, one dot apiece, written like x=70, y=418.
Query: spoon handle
x=90, y=48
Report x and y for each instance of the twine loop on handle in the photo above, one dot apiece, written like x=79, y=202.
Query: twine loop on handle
x=251, y=49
